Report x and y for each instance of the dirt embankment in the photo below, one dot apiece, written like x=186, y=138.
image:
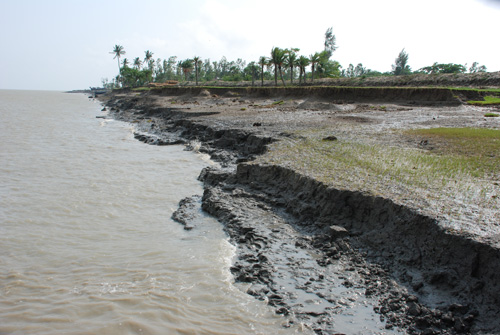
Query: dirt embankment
x=341, y=95
x=476, y=80
x=334, y=260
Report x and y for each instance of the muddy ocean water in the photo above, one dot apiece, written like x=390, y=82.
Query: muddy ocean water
x=87, y=244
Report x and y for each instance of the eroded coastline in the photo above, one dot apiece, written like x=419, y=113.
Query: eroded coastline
x=315, y=252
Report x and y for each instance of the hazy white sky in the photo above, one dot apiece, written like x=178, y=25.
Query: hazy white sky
x=65, y=44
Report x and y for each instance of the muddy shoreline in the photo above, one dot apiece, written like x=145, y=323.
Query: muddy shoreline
x=333, y=260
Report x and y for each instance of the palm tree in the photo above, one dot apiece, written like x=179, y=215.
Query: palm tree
x=278, y=57
x=302, y=63
x=315, y=58
x=147, y=58
x=137, y=63
x=263, y=61
x=196, y=60
x=125, y=62
x=291, y=61
x=118, y=51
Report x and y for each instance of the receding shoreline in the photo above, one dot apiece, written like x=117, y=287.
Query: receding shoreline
x=401, y=257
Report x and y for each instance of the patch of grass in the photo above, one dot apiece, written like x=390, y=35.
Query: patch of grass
x=379, y=108
x=280, y=102
x=488, y=100
x=140, y=89
x=485, y=90
x=491, y=115
x=474, y=149
x=464, y=172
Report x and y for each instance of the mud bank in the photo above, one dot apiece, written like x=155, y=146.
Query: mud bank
x=336, y=261
x=422, y=278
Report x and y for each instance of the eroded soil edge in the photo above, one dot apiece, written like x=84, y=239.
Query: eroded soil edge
x=320, y=255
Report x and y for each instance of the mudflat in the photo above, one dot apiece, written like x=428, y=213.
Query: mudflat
x=348, y=216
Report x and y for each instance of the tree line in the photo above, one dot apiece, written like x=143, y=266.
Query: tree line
x=282, y=65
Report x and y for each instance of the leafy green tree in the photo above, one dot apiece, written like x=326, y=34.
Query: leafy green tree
x=158, y=70
x=401, y=66
x=137, y=63
x=357, y=71
x=330, y=42
x=349, y=72
x=278, y=57
x=187, y=67
x=250, y=72
x=223, y=67
x=327, y=68
x=170, y=68
x=118, y=51
x=208, y=70
x=475, y=67
x=263, y=61
x=303, y=62
x=132, y=77
x=444, y=68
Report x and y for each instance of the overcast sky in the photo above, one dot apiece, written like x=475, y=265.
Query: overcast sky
x=66, y=44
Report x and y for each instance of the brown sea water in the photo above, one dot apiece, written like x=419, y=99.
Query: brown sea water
x=87, y=244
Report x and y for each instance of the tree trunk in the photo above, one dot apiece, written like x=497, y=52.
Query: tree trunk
x=275, y=75
x=262, y=76
x=312, y=78
x=291, y=75
x=196, y=73
x=281, y=75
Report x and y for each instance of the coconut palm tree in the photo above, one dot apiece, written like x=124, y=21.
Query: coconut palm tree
x=137, y=63
x=302, y=63
x=125, y=62
x=118, y=51
x=263, y=61
x=278, y=57
x=196, y=60
x=314, y=59
x=291, y=61
x=147, y=59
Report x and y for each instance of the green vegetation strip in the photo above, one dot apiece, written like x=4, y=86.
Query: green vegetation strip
x=464, y=170
x=488, y=100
